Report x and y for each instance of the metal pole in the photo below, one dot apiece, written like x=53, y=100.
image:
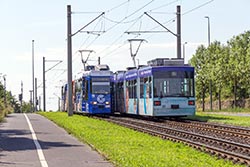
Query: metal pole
x=99, y=60
x=39, y=103
x=62, y=99
x=208, y=29
x=210, y=81
x=5, y=99
x=69, y=35
x=44, y=93
x=183, y=52
x=21, y=100
x=30, y=100
x=35, y=99
x=33, y=74
x=178, y=32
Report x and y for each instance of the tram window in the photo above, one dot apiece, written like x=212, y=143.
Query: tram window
x=141, y=87
x=150, y=86
x=145, y=83
x=85, y=90
x=134, y=89
x=171, y=84
x=131, y=86
x=120, y=93
x=83, y=87
x=131, y=89
x=78, y=86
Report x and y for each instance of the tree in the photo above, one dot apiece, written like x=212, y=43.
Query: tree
x=26, y=107
x=239, y=64
x=218, y=70
x=199, y=61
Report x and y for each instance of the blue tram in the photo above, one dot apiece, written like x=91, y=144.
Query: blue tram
x=164, y=88
x=92, y=92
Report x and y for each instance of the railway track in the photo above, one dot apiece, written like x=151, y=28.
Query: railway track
x=197, y=135
x=226, y=132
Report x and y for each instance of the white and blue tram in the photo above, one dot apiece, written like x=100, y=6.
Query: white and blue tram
x=92, y=92
x=159, y=89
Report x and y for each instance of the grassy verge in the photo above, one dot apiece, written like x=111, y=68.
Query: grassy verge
x=225, y=118
x=229, y=110
x=4, y=111
x=1, y=116
x=127, y=148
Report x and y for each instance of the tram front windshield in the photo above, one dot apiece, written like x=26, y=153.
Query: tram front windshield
x=174, y=84
x=100, y=85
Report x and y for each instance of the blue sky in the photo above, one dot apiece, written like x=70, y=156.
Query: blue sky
x=45, y=22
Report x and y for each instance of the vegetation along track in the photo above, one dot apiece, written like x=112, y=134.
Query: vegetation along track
x=209, y=138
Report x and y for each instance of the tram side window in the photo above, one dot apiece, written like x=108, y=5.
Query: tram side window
x=78, y=86
x=131, y=89
x=77, y=90
x=187, y=87
x=141, y=87
x=145, y=86
x=145, y=83
x=131, y=86
x=191, y=87
x=134, y=89
x=85, y=89
x=127, y=89
x=120, y=90
x=150, y=86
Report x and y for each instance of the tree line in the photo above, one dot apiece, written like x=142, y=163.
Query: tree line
x=9, y=103
x=223, y=70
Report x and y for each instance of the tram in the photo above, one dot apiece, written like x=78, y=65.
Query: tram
x=165, y=87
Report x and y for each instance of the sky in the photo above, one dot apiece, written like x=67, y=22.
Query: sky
x=45, y=22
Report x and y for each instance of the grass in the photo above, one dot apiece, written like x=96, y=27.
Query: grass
x=230, y=110
x=128, y=148
x=225, y=117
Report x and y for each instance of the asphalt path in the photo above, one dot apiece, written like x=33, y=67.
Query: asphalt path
x=32, y=140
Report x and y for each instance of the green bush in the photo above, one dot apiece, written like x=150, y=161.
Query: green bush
x=1, y=111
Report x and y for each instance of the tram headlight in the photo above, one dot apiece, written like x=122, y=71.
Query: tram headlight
x=94, y=102
x=107, y=103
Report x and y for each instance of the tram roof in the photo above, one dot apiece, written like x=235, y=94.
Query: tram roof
x=97, y=73
x=147, y=71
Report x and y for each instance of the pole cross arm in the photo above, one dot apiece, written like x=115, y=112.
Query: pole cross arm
x=88, y=24
x=160, y=24
x=58, y=62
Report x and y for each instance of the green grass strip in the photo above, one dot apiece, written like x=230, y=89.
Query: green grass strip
x=128, y=148
x=226, y=118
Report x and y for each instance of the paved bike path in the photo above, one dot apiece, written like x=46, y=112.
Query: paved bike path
x=19, y=146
